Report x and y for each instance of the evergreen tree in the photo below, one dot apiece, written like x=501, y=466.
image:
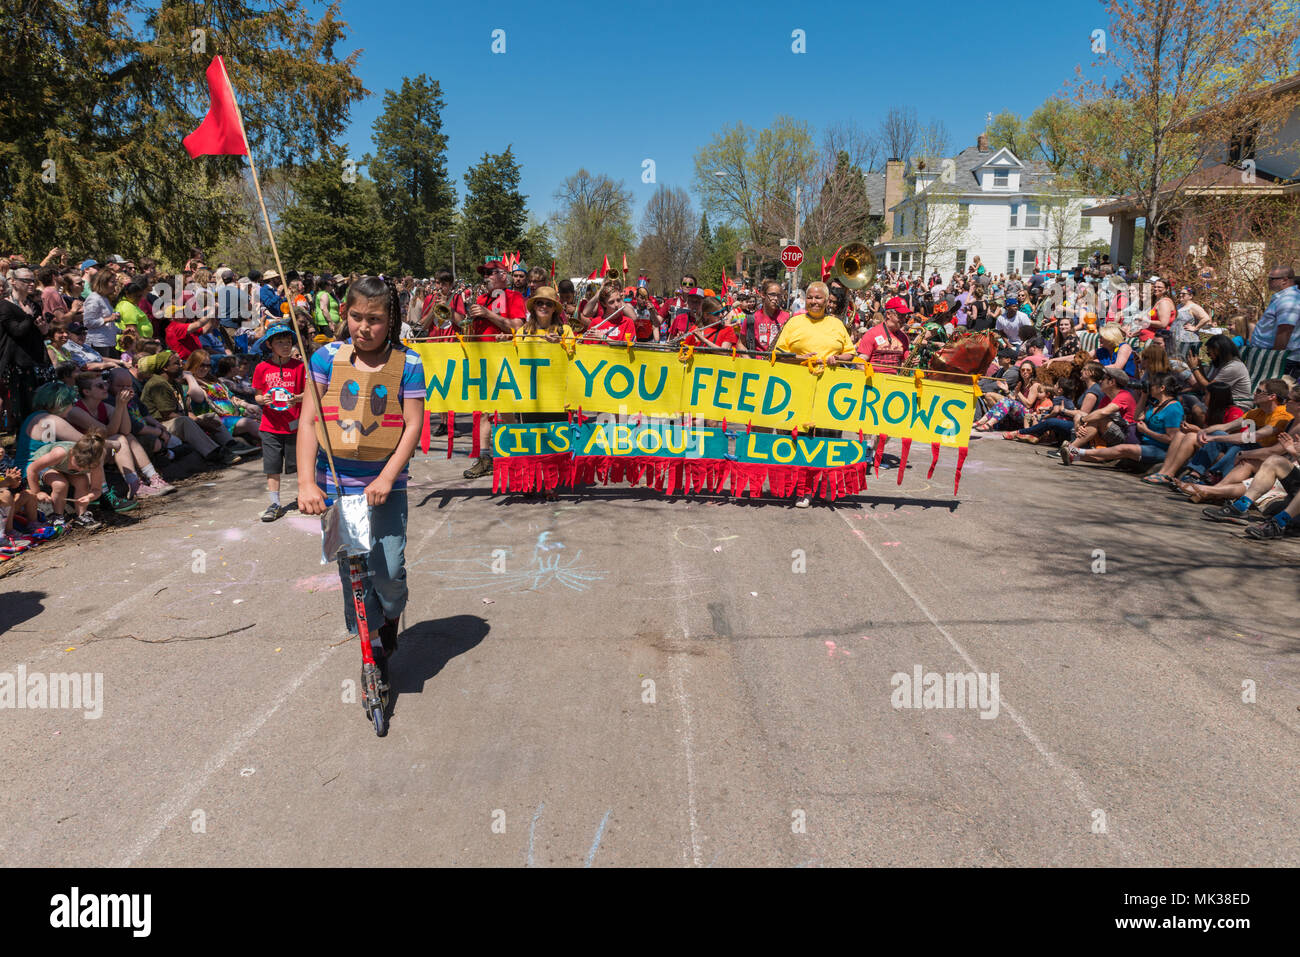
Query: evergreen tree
x=95, y=97
x=409, y=169
x=703, y=249
x=334, y=224
x=495, y=214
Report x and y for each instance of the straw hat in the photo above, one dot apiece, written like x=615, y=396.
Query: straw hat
x=545, y=294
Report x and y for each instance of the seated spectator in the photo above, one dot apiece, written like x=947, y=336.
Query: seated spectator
x=1028, y=396
x=1034, y=353
x=63, y=466
x=148, y=431
x=1114, y=422
x=132, y=317
x=1065, y=342
x=1113, y=352
x=167, y=402
x=1274, y=469
x=1225, y=366
x=57, y=344
x=1056, y=425
x=86, y=356
x=235, y=373
x=92, y=412
x=1155, y=430
x=209, y=397
x=128, y=344
x=1212, y=451
x=1233, y=485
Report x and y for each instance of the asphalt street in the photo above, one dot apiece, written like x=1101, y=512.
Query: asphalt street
x=623, y=679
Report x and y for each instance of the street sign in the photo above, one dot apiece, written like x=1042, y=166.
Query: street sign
x=791, y=256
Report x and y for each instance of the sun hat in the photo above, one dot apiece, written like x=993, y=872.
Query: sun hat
x=545, y=294
x=275, y=329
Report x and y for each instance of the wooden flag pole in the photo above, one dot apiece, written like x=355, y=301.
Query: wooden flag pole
x=321, y=434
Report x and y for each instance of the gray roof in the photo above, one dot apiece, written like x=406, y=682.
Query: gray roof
x=1035, y=175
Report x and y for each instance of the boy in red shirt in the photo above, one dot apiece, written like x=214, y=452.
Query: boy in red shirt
x=278, y=384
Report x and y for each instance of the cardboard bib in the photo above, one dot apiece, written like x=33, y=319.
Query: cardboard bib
x=363, y=410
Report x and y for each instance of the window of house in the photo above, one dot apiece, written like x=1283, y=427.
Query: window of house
x=1085, y=222
x=1011, y=260
x=1001, y=178
x=1027, y=259
x=893, y=260
x=963, y=215
x=1015, y=215
x=961, y=260
x=1032, y=215
x=898, y=224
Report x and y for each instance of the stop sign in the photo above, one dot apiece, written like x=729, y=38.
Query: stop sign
x=792, y=256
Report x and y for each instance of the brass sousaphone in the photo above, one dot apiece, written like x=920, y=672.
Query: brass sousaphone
x=855, y=266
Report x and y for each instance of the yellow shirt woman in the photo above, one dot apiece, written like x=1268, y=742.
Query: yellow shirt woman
x=803, y=334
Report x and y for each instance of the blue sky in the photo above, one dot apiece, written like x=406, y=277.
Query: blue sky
x=606, y=86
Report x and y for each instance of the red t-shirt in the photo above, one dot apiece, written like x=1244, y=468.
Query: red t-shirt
x=625, y=326
x=722, y=337
x=767, y=329
x=180, y=340
x=513, y=307
x=1127, y=405
x=881, y=348
x=280, y=382
x=680, y=323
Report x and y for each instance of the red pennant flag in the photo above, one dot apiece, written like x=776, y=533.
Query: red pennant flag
x=604, y=266
x=724, y=280
x=552, y=272
x=595, y=273
x=833, y=257
x=221, y=133
x=824, y=269
x=625, y=262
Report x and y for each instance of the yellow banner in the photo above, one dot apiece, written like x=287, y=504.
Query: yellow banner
x=542, y=377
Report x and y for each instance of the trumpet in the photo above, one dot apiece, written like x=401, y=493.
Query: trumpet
x=855, y=267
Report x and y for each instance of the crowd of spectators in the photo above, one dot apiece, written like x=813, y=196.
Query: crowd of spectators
x=1109, y=369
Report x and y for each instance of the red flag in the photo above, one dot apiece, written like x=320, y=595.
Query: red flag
x=824, y=269
x=625, y=262
x=604, y=266
x=552, y=272
x=595, y=273
x=724, y=280
x=220, y=133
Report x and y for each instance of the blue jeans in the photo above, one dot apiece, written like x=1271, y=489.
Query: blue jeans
x=385, y=584
x=1217, y=457
x=1063, y=427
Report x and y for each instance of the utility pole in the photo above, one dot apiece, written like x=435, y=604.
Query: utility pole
x=798, y=195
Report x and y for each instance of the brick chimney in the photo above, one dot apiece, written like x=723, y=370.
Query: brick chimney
x=893, y=195
x=982, y=144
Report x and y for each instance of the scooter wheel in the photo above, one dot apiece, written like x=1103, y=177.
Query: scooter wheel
x=381, y=723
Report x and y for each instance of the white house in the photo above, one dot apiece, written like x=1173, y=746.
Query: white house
x=986, y=203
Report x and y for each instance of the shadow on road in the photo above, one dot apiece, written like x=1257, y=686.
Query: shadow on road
x=426, y=647
x=18, y=607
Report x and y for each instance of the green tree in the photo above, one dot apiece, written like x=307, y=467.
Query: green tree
x=703, y=249
x=495, y=214
x=95, y=96
x=594, y=220
x=1008, y=130
x=409, y=169
x=335, y=224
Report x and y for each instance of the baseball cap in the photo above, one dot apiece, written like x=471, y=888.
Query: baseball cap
x=88, y=263
x=694, y=291
x=519, y=267
x=77, y=327
x=486, y=268
x=898, y=305
x=1119, y=375
x=116, y=259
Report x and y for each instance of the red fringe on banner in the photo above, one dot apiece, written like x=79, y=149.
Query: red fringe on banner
x=475, y=447
x=934, y=459
x=532, y=473
x=880, y=450
x=902, y=459
x=956, y=480
x=425, y=433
